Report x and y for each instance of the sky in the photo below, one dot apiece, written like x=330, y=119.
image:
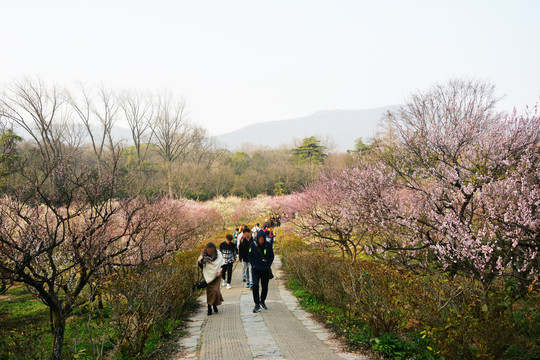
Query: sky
x=237, y=63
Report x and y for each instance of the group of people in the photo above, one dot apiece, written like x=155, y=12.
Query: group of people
x=256, y=254
x=275, y=220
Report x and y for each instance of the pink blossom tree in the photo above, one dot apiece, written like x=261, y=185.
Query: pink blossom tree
x=251, y=209
x=466, y=183
x=324, y=212
x=452, y=185
x=60, y=241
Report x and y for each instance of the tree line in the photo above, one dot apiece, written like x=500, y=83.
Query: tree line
x=166, y=153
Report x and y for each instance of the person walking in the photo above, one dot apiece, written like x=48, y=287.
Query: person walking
x=229, y=251
x=211, y=261
x=255, y=230
x=261, y=256
x=239, y=236
x=235, y=236
x=243, y=255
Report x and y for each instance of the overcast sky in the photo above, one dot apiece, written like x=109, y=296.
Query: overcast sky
x=241, y=62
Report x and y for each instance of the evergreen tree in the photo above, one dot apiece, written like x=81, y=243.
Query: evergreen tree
x=310, y=151
x=8, y=153
x=360, y=147
x=240, y=162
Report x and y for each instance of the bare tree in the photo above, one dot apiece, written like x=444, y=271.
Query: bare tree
x=174, y=135
x=138, y=111
x=97, y=108
x=72, y=135
x=205, y=148
x=37, y=109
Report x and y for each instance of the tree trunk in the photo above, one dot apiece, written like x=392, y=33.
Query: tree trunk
x=169, y=179
x=58, y=328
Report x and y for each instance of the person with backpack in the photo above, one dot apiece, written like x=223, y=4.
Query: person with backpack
x=210, y=262
x=243, y=255
x=261, y=256
x=229, y=251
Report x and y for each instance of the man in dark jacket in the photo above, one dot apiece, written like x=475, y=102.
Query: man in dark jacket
x=243, y=250
x=261, y=256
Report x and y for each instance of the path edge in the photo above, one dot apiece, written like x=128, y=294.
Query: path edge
x=307, y=319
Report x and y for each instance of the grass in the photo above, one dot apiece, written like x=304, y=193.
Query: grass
x=162, y=344
x=25, y=330
x=24, y=324
x=19, y=308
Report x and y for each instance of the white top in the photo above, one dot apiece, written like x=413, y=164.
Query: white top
x=211, y=268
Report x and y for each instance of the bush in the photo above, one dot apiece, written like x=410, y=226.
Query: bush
x=319, y=273
x=289, y=243
x=378, y=294
x=146, y=298
x=470, y=320
x=418, y=316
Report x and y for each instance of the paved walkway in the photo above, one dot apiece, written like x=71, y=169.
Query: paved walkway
x=284, y=331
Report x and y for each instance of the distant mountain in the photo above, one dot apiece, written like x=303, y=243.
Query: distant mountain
x=342, y=127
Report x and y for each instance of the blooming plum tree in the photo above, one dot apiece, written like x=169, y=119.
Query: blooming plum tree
x=453, y=185
x=60, y=241
x=324, y=211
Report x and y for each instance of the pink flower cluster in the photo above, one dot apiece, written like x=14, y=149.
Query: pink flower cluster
x=58, y=243
x=458, y=190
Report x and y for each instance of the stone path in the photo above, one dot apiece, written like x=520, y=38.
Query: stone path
x=284, y=331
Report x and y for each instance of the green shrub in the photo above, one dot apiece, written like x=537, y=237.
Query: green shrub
x=289, y=244
x=378, y=294
x=390, y=345
x=134, y=312
x=147, y=298
x=468, y=320
x=416, y=316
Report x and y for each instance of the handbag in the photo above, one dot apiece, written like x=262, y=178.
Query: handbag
x=199, y=284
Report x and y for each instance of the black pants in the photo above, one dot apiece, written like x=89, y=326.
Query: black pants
x=227, y=269
x=263, y=276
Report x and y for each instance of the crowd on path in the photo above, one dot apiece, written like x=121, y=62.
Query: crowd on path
x=253, y=247
x=278, y=331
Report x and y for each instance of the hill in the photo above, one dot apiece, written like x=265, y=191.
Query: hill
x=342, y=127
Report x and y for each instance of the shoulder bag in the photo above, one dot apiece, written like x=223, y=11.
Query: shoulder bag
x=200, y=283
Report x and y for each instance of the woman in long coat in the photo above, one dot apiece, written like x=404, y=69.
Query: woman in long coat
x=211, y=261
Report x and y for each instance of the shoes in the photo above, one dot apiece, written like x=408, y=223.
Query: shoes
x=215, y=309
x=263, y=305
x=228, y=286
x=223, y=283
x=247, y=285
x=244, y=279
x=257, y=309
x=209, y=310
